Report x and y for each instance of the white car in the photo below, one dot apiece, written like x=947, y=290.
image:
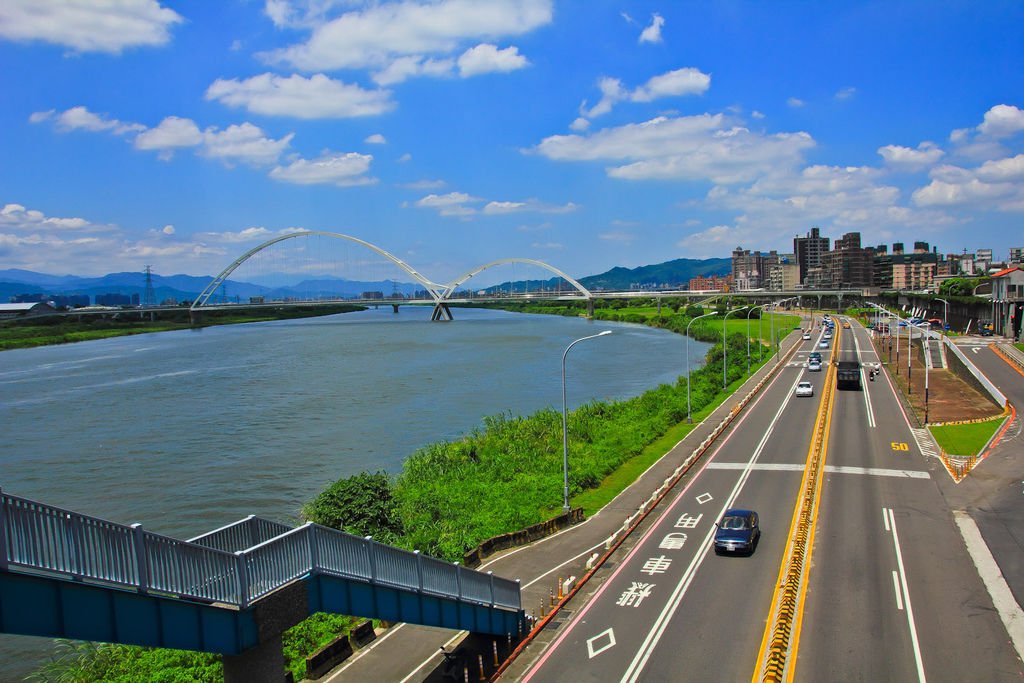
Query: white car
x=814, y=366
x=807, y=335
x=823, y=344
x=805, y=389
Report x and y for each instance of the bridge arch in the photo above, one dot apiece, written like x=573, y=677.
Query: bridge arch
x=433, y=288
x=454, y=284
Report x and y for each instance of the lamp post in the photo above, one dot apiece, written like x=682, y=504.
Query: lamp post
x=565, y=425
x=748, y=332
x=897, y=345
x=725, y=359
x=945, y=315
x=924, y=333
x=689, y=418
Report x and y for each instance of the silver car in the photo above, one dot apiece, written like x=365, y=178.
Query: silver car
x=805, y=389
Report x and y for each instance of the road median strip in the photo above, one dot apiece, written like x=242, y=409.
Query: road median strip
x=782, y=630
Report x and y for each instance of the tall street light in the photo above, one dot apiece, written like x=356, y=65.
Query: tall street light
x=565, y=425
x=910, y=354
x=945, y=314
x=725, y=360
x=926, y=364
x=748, y=331
x=689, y=418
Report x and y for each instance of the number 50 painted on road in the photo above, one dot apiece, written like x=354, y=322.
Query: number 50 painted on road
x=899, y=446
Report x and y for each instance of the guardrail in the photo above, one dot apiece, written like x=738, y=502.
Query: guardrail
x=997, y=395
x=43, y=538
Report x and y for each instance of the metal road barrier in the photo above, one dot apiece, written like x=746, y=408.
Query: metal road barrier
x=782, y=632
x=224, y=566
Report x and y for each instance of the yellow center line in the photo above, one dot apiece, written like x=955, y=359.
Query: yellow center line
x=781, y=637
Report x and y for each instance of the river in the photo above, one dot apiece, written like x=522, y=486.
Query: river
x=187, y=431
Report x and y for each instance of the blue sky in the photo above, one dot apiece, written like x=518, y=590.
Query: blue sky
x=587, y=134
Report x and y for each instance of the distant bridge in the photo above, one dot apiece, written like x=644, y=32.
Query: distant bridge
x=441, y=295
x=233, y=590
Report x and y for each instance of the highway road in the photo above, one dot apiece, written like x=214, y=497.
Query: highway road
x=892, y=593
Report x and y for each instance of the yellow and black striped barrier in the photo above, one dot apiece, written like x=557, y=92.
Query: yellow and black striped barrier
x=776, y=658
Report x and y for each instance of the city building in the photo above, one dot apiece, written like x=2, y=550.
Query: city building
x=715, y=283
x=905, y=272
x=1008, y=302
x=1016, y=255
x=983, y=259
x=784, y=277
x=750, y=270
x=849, y=264
x=809, y=252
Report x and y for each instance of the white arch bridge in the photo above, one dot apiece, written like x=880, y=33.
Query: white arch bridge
x=438, y=294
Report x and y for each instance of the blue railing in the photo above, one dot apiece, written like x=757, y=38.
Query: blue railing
x=234, y=565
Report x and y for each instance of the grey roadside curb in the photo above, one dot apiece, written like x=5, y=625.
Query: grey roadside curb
x=608, y=523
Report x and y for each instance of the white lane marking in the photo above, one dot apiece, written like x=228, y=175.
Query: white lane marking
x=635, y=668
x=906, y=598
x=885, y=518
x=592, y=652
x=831, y=469
x=925, y=441
x=1009, y=611
x=449, y=643
x=899, y=593
x=867, y=396
x=704, y=498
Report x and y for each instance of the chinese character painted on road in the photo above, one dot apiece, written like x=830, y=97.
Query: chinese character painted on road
x=673, y=541
x=656, y=565
x=688, y=522
x=635, y=594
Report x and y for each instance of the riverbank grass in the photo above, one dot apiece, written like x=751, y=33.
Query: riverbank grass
x=965, y=439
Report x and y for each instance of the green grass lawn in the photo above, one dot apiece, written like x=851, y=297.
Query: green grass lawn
x=1020, y=346
x=966, y=439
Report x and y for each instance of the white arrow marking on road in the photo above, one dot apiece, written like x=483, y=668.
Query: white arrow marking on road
x=590, y=643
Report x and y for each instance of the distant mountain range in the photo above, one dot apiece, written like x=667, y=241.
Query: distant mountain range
x=13, y=282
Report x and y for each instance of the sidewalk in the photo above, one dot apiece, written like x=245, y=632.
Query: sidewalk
x=411, y=653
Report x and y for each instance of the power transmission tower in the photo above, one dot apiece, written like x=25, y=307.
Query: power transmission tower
x=149, y=298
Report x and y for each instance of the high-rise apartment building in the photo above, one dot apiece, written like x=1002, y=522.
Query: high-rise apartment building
x=901, y=271
x=1016, y=255
x=809, y=252
x=849, y=264
x=750, y=270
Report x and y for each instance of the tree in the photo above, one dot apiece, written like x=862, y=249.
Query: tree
x=362, y=504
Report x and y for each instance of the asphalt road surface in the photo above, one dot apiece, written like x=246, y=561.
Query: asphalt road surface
x=892, y=593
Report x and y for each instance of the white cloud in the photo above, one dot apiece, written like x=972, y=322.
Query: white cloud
x=579, y=124
x=254, y=234
x=88, y=26
x=486, y=58
x=80, y=118
x=17, y=217
x=795, y=102
x=344, y=170
x=171, y=134
x=547, y=245
x=425, y=185
x=375, y=36
x=404, y=68
x=316, y=97
x=1002, y=120
x=168, y=229
x=652, y=34
x=907, y=159
x=700, y=147
x=995, y=185
x=756, y=114
x=530, y=205
x=375, y=139
x=405, y=158
x=846, y=93
x=243, y=143
x=459, y=204
x=620, y=237
x=685, y=81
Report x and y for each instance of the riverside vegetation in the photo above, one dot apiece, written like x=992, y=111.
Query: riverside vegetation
x=502, y=477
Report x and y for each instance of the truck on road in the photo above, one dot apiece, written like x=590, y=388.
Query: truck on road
x=848, y=373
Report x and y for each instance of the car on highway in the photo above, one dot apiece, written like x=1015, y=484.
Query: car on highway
x=846, y=324
x=815, y=356
x=814, y=366
x=807, y=335
x=823, y=344
x=738, y=531
x=805, y=388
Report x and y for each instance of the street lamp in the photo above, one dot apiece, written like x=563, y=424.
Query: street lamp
x=926, y=364
x=565, y=425
x=689, y=418
x=758, y=331
x=910, y=354
x=725, y=360
x=945, y=314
